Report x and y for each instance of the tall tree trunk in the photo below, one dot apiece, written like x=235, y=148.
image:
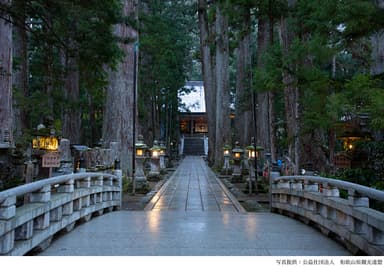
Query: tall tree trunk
x=243, y=118
x=118, y=114
x=272, y=125
x=271, y=95
x=291, y=94
x=223, y=120
x=71, y=127
x=313, y=155
x=263, y=112
x=6, y=124
x=208, y=76
x=49, y=65
x=332, y=132
x=377, y=41
x=20, y=75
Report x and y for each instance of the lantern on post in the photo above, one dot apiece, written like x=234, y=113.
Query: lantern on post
x=46, y=144
x=154, y=172
x=237, y=155
x=227, y=155
x=258, y=160
x=251, y=152
x=163, y=149
x=251, y=156
x=140, y=156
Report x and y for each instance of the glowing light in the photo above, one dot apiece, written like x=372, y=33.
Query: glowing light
x=155, y=153
x=139, y=152
x=45, y=143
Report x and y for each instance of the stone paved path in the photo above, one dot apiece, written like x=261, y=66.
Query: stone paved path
x=193, y=215
x=194, y=187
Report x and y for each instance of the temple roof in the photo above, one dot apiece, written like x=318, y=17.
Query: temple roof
x=193, y=101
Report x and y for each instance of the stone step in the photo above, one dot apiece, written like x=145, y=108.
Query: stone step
x=193, y=146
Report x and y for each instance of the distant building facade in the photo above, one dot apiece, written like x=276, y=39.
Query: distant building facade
x=192, y=112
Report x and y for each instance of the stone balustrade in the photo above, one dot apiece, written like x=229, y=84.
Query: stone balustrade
x=316, y=201
x=31, y=214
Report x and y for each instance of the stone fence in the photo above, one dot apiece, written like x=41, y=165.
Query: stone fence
x=317, y=201
x=31, y=214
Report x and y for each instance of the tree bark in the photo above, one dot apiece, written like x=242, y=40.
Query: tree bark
x=208, y=76
x=243, y=119
x=377, y=41
x=263, y=96
x=20, y=75
x=223, y=120
x=6, y=113
x=291, y=94
x=118, y=114
x=71, y=128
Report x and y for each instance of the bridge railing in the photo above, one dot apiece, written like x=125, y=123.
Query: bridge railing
x=31, y=214
x=317, y=201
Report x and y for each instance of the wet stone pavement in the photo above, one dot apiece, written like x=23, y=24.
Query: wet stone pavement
x=193, y=214
x=194, y=187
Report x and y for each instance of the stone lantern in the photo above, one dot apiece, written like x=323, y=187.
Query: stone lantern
x=140, y=155
x=227, y=155
x=237, y=155
x=251, y=156
x=162, y=156
x=154, y=172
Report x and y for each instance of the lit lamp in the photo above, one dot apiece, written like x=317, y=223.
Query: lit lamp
x=251, y=155
x=237, y=154
x=348, y=142
x=154, y=172
x=155, y=150
x=46, y=144
x=141, y=149
x=258, y=150
x=227, y=155
x=251, y=152
x=227, y=151
x=50, y=143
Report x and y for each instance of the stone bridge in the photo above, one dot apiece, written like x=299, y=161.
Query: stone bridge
x=192, y=214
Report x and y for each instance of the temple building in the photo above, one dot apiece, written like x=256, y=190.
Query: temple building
x=192, y=112
x=193, y=120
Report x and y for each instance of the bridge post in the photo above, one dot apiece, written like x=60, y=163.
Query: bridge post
x=330, y=191
x=119, y=174
x=310, y=187
x=86, y=200
x=356, y=200
x=272, y=186
x=356, y=225
x=42, y=196
x=7, y=212
x=297, y=185
x=69, y=188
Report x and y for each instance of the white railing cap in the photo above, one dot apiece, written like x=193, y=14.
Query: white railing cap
x=363, y=190
x=35, y=186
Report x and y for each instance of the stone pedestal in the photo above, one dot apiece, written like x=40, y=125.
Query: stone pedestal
x=237, y=176
x=226, y=170
x=251, y=178
x=162, y=163
x=154, y=173
x=141, y=182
